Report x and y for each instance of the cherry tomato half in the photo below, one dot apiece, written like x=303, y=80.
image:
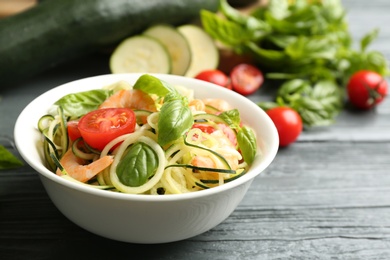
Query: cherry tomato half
x=205, y=128
x=288, y=123
x=209, y=129
x=246, y=79
x=73, y=130
x=101, y=126
x=214, y=76
x=366, y=89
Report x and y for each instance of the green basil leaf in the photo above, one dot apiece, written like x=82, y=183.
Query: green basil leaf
x=273, y=59
x=249, y=22
x=368, y=39
x=289, y=88
x=282, y=41
x=333, y=11
x=138, y=165
x=78, y=104
x=231, y=117
x=324, y=89
x=377, y=62
x=247, y=143
x=8, y=160
x=227, y=32
x=278, y=8
x=307, y=48
x=174, y=96
x=174, y=120
x=317, y=104
x=267, y=105
x=152, y=85
x=285, y=27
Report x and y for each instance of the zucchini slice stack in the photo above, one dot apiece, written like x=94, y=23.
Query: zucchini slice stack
x=185, y=50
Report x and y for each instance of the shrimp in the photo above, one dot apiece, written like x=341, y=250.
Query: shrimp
x=133, y=98
x=219, y=104
x=231, y=156
x=225, y=136
x=75, y=167
x=225, y=145
x=206, y=162
x=196, y=105
x=203, y=161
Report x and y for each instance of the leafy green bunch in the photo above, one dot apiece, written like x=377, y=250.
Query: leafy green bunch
x=317, y=104
x=301, y=39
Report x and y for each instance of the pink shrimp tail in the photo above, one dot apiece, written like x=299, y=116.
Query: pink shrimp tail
x=77, y=169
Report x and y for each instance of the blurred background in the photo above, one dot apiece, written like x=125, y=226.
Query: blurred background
x=9, y=7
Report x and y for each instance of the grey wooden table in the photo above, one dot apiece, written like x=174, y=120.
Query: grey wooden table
x=325, y=197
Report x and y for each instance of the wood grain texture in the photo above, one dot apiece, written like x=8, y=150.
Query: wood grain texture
x=325, y=197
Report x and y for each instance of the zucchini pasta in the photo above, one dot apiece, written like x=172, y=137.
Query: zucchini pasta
x=146, y=138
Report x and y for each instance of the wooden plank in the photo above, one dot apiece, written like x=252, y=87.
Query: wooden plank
x=325, y=174
x=303, y=202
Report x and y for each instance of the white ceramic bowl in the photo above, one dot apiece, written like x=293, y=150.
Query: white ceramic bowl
x=144, y=218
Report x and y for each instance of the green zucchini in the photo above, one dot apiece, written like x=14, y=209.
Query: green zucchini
x=53, y=32
x=176, y=44
x=79, y=153
x=140, y=53
x=204, y=51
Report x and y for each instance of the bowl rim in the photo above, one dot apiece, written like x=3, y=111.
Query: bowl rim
x=60, y=89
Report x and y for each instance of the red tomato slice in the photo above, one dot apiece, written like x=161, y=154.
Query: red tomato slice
x=73, y=130
x=246, y=79
x=101, y=126
x=205, y=128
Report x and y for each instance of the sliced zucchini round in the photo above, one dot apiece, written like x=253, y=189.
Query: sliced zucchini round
x=176, y=44
x=142, y=54
x=204, y=51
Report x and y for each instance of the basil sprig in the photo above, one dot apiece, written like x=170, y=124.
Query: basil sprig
x=246, y=138
x=305, y=40
x=175, y=116
x=152, y=85
x=247, y=142
x=175, y=119
x=296, y=39
x=318, y=104
x=78, y=104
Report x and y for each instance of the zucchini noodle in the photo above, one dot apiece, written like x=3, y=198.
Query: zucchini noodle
x=203, y=157
x=53, y=128
x=153, y=120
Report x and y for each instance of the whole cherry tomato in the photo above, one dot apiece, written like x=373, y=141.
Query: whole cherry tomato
x=246, y=79
x=288, y=124
x=366, y=89
x=101, y=126
x=214, y=76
